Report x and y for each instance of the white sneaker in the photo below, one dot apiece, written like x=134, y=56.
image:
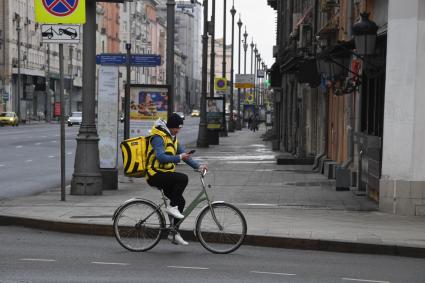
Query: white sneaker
x=174, y=211
x=177, y=239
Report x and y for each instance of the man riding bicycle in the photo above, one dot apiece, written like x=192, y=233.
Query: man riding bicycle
x=164, y=152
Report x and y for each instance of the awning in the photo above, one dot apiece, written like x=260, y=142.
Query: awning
x=275, y=76
x=291, y=64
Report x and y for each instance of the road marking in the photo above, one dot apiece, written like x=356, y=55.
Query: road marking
x=250, y=162
x=53, y=141
x=51, y=156
x=110, y=263
x=273, y=273
x=188, y=267
x=18, y=146
x=69, y=153
x=364, y=280
x=29, y=160
x=2, y=165
x=37, y=259
x=38, y=143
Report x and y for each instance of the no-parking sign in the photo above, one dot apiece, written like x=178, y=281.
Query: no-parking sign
x=60, y=11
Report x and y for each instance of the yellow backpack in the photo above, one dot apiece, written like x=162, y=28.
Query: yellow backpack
x=134, y=156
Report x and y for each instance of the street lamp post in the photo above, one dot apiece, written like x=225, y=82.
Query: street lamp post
x=255, y=72
x=87, y=179
x=252, y=54
x=170, y=54
x=231, y=122
x=212, y=60
x=18, y=98
x=203, y=132
x=239, y=122
x=231, y=128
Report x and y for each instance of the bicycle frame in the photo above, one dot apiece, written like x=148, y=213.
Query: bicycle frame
x=201, y=197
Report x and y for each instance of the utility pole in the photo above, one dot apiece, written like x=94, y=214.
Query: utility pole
x=47, y=101
x=71, y=50
x=87, y=179
x=170, y=53
x=127, y=94
x=231, y=122
x=203, y=132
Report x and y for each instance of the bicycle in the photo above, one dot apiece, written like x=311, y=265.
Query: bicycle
x=139, y=224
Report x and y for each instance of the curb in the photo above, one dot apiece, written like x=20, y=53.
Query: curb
x=251, y=240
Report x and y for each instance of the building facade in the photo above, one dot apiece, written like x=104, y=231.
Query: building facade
x=350, y=112
x=29, y=72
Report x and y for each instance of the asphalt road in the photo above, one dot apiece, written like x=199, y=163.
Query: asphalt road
x=30, y=255
x=30, y=155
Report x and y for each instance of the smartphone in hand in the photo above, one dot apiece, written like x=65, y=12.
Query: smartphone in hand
x=192, y=151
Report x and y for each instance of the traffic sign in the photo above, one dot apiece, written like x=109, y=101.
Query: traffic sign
x=60, y=11
x=220, y=84
x=138, y=60
x=145, y=60
x=244, y=81
x=60, y=33
x=111, y=59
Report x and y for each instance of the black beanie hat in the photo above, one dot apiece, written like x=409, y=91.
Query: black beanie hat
x=175, y=121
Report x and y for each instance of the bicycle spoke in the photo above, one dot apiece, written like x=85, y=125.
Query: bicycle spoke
x=138, y=226
x=231, y=234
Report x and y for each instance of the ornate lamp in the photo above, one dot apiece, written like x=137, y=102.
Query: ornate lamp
x=364, y=32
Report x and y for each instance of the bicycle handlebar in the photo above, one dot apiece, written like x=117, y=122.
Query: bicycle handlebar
x=202, y=172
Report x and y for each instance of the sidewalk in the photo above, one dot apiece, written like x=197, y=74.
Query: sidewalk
x=286, y=206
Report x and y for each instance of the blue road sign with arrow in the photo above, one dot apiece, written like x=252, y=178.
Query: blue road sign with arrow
x=120, y=59
x=145, y=60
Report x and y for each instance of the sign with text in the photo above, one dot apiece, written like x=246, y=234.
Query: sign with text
x=244, y=81
x=120, y=59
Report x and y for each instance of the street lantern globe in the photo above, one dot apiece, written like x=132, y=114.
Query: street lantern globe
x=364, y=32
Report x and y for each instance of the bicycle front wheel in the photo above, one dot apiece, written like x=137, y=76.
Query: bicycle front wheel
x=221, y=230
x=139, y=225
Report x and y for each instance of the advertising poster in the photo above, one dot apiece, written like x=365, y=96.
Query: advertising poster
x=147, y=103
x=215, y=113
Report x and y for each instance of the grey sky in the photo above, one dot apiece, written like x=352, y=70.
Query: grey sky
x=260, y=21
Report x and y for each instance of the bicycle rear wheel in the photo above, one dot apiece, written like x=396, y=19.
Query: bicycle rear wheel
x=229, y=236
x=138, y=225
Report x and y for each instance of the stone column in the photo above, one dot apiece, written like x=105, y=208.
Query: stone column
x=402, y=185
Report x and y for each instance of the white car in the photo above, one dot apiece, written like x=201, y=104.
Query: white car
x=76, y=118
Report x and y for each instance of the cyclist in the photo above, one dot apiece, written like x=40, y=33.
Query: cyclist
x=164, y=152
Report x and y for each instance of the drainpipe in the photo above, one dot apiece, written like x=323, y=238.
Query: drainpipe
x=351, y=118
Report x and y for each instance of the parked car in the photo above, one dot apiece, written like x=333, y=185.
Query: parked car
x=195, y=113
x=9, y=118
x=181, y=114
x=76, y=118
